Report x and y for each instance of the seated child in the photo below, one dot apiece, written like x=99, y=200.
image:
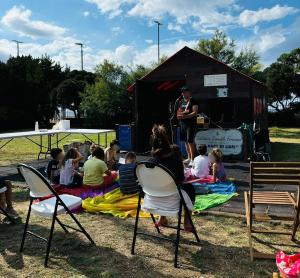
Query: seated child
x=110, y=155
x=217, y=165
x=6, y=198
x=94, y=169
x=54, y=165
x=92, y=148
x=200, y=165
x=127, y=178
x=69, y=176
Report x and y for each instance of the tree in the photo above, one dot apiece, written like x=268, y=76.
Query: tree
x=68, y=93
x=283, y=81
x=107, y=102
x=222, y=48
x=247, y=62
x=219, y=47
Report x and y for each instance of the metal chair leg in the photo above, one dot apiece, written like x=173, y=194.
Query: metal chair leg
x=26, y=226
x=51, y=234
x=177, y=236
x=136, y=224
x=156, y=226
x=61, y=225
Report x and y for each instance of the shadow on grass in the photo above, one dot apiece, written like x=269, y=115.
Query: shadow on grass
x=69, y=253
x=285, y=151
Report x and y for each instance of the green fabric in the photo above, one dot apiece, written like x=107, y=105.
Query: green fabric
x=207, y=201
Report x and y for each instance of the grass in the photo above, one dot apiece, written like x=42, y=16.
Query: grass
x=285, y=143
x=223, y=250
x=21, y=149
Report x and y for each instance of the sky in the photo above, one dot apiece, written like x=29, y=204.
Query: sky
x=123, y=30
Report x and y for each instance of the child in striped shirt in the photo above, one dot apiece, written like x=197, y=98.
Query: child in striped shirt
x=127, y=181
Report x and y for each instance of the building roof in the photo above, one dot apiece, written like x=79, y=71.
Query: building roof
x=187, y=50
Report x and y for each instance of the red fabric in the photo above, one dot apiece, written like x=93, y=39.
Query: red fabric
x=288, y=265
x=192, y=179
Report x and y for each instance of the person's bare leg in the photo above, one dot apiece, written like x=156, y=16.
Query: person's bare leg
x=192, y=150
x=187, y=224
x=162, y=221
x=187, y=147
x=8, y=195
x=2, y=201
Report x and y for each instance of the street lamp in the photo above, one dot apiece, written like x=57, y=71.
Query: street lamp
x=158, y=25
x=81, y=51
x=18, y=49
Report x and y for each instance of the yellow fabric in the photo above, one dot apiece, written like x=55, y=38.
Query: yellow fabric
x=115, y=203
x=94, y=169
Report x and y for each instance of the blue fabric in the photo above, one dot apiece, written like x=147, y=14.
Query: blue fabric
x=226, y=187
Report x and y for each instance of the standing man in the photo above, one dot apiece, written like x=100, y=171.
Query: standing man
x=187, y=111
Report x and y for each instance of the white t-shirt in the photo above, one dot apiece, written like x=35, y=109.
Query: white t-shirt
x=67, y=173
x=200, y=167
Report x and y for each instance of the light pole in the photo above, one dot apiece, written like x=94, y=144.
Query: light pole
x=18, y=49
x=158, y=25
x=81, y=51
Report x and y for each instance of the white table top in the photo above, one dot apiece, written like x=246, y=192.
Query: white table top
x=12, y=135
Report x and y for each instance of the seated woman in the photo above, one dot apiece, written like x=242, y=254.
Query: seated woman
x=95, y=169
x=6, y=198
x=217, y=166
x=162, y=154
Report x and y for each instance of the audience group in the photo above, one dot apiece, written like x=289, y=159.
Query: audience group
x=102, y=168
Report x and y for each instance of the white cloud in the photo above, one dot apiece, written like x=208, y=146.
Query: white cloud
x=250, y=18
x=175, y=27
x=111, y=7
x=18, y=19
x=149, y=41
x=86, y=13
x=117, y=30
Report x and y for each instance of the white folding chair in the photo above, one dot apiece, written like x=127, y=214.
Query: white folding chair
x=157, y=181
x=3, y=190
x=50, y=207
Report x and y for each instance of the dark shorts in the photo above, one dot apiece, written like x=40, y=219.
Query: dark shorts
x=2, y=182
x=187, y=132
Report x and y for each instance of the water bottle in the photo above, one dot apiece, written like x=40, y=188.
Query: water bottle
x=36, y=128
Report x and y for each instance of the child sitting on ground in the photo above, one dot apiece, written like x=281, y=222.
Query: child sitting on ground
x=127, y=179
x=110, y=155
x=217, y=166
x=6, y=198
x=94, y=169
x=200, y=165
x=69, y=176
x=92, y=148
x=53, y=168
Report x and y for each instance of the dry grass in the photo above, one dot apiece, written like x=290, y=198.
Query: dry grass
x=223, y=251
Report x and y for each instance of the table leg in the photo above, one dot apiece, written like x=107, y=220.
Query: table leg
x=56, y=140
x=41, y=146
x=98, y=139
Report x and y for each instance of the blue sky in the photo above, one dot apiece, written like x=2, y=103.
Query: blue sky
x=123, y=30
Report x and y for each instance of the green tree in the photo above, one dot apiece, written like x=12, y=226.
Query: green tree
x=283, y=81
x=222, y=48
x=219, y=47
x=107, y=102
x=247, y=62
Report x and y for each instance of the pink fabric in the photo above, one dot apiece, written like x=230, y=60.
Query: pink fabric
x=288, y=265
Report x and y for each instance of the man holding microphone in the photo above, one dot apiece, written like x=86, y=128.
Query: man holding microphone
x=186, y=111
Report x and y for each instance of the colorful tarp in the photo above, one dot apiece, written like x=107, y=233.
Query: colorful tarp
x=115, y=203
x=207, y=201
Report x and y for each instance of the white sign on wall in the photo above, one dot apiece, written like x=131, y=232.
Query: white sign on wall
x=215, y=80
x=222, y=92
x=229, y=141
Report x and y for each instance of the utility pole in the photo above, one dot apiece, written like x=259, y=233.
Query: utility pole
x=18, y=49
x=81, y=51
x=158, y=26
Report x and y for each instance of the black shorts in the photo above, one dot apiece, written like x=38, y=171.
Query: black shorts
x=2, y=182
x=187, y=132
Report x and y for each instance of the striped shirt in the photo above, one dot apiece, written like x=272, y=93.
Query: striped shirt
x=128, y=183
